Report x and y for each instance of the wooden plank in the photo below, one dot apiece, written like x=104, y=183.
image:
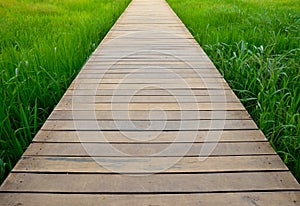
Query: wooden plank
x=190, y=45
x=153, y=125
x=208, y=85
x=152, y=67
x=180, y=34
x=151, y=81
x=107, y=165
x=166, y=52
x=146, y=115
x=155, y=44
x=149, y=92
x=157, y=41
x=124, y=52
x=147, y=76
x=130, y=80
x=145, y=149
x=150, y=56
x=207, y=199
x=158, y=183
x=100, y=60
x=149, y=46
x=163, y=137
x=151, y=106
x=147, y=99
x=144, y=67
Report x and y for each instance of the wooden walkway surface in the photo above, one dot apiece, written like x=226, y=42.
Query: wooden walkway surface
x=149, y=121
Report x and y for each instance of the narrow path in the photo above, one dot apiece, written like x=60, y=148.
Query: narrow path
x=149, y=121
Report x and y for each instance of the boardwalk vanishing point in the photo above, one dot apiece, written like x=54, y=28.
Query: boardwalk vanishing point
x=149, y=121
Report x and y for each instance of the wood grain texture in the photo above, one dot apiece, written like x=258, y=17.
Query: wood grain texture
x=147, y=115
x=146, y=149
x=209, y=85
x=150, y=125
x=150, y=99
x=215, y=199
x=150, y=106
x=150, y=136
x=149, y=92
x=158, y=183
x=58, y=164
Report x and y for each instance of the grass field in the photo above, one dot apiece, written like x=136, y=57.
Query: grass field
x=43, y=44
x=256, y=46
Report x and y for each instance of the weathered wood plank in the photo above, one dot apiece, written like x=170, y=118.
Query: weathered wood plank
x=164, y=183
x=207, y=199
x=146, y=76
x=164, y=137
x=151, y=106
x=153, y=125
x=151, y=57
x=122, y=85
x=148, y=99
x=146, y=115
x=149, y=164
x=199, y=68
x=123, y=52
x=150, y=81
x=145, y=149
x=149, y=92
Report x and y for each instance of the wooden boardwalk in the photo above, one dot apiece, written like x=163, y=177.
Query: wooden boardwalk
x=149, y=121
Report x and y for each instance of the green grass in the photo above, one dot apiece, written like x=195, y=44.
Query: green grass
x=256, y=46
x=43, y=44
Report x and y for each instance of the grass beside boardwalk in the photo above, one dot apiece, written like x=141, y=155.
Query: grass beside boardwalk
x=256, y=46
x=43, y=44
